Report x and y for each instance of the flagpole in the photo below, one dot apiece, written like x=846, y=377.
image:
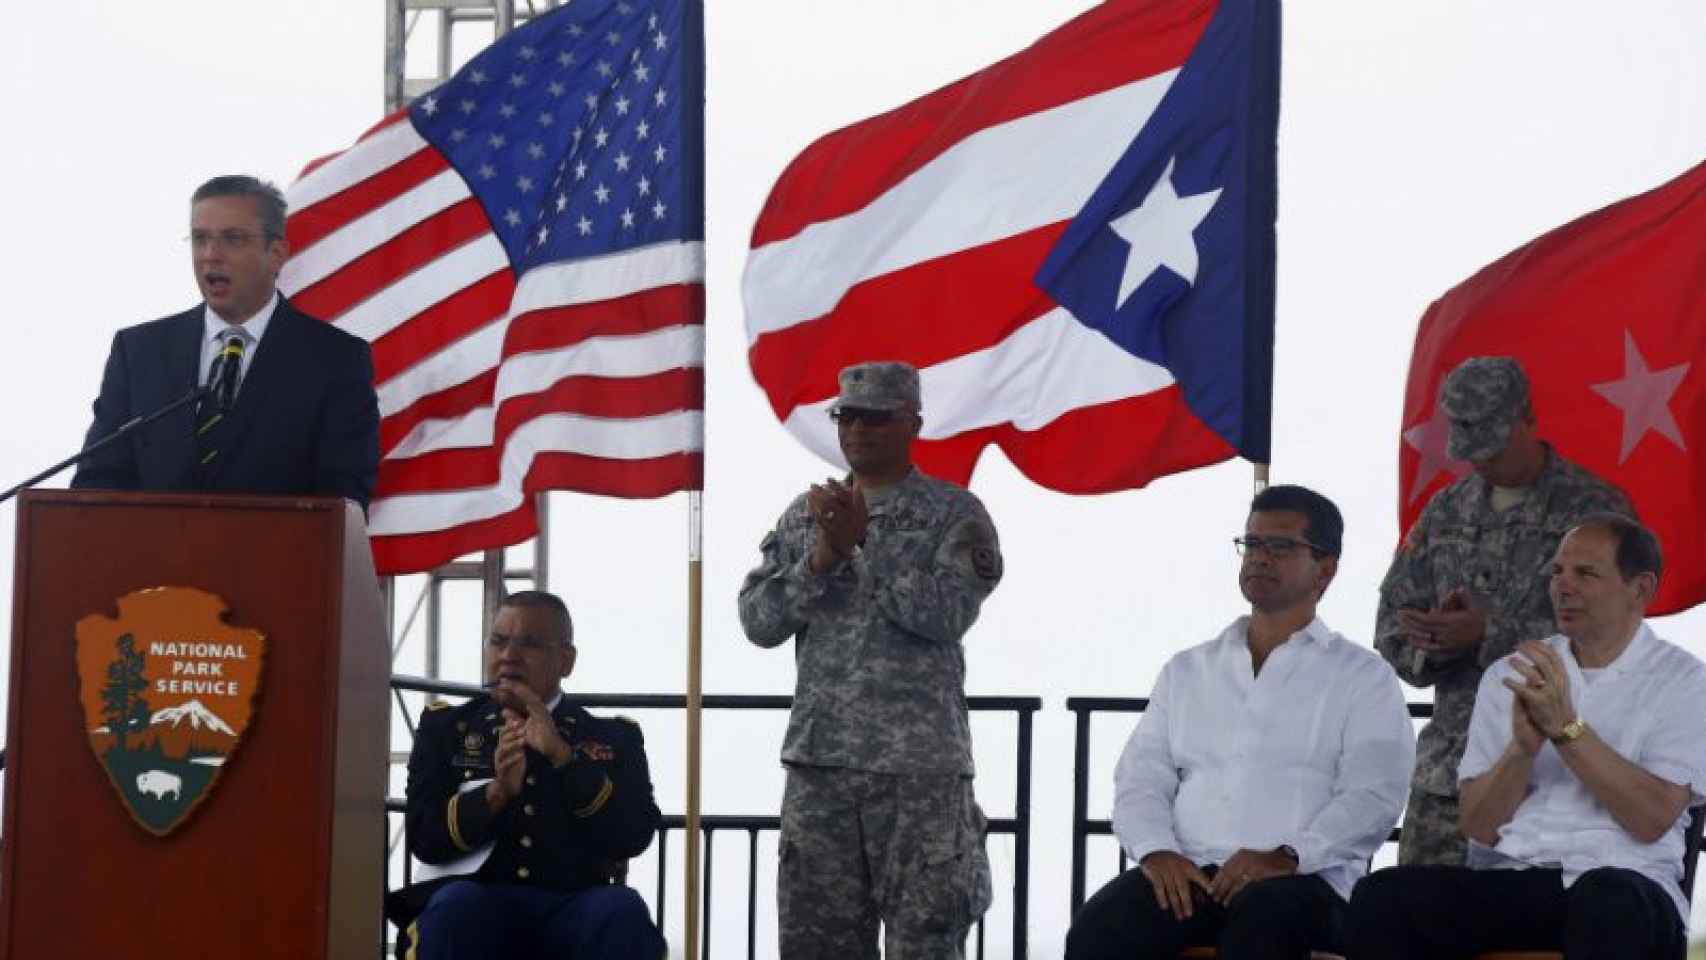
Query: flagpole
x=695, y=695
x=1261, y=476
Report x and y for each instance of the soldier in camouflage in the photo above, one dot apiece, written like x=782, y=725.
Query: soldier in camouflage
x=1467, y=584
x=877, y=579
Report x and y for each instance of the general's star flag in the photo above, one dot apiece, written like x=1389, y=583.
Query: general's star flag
x=1607, y=315
x=1074, y=246
x=523, y=246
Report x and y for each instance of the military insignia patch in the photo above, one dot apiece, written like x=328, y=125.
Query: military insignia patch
x=594, y=750
x=168, y=690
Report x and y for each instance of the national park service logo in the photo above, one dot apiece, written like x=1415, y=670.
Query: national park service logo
x=168, y=690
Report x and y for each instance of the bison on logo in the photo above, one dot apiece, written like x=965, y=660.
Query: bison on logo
x=168, y=689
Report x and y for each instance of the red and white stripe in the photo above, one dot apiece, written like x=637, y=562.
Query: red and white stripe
x=582, y=375
x=915, y=236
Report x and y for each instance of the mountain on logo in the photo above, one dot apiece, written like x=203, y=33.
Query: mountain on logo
x=190, y=728
x=197, y=715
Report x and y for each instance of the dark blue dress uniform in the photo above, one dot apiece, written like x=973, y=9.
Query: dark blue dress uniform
x=550, y=885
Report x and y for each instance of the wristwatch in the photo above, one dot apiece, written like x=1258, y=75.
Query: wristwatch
x=1571, y=731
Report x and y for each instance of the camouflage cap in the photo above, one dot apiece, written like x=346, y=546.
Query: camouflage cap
x=1484, y=398
x=879, y=385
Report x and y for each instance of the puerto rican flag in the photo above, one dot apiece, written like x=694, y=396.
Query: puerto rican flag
x=1075, y=247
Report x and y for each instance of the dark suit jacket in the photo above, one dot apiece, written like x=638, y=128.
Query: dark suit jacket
x=572, y=828
x=306, y=419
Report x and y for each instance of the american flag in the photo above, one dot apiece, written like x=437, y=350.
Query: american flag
x=524, y=248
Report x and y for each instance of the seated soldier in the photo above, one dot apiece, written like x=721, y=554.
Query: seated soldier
x=1272, y=761
x=1585, y=751
x=533, y=805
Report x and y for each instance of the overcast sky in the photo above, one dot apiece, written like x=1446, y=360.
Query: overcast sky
x=1418, y=142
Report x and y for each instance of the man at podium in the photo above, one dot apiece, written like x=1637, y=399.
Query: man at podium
x=529, y=807
x=292, y=408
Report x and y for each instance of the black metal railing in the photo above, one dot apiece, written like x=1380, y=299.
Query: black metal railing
x=1084, y=710
x=1018, y=826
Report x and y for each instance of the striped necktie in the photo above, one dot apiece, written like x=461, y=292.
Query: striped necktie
x=222, y=377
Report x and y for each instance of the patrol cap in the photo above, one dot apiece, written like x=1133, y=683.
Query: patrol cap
x=878, y=385
x=1484, y=398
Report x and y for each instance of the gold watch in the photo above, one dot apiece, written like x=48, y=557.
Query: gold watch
x=1571, y=731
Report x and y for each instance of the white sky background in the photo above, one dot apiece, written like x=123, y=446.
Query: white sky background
x=1418, y=142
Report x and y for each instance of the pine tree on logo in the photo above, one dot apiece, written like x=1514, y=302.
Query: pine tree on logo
x=121, y=698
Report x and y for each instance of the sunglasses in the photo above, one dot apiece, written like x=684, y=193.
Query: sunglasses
x=848, y=416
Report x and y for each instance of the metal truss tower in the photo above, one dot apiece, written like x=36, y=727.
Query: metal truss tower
x=431, y=38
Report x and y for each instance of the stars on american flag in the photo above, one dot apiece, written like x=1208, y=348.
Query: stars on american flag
x=562, y=107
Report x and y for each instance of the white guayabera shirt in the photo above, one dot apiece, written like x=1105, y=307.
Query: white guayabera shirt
x=1650, y=706
x=1315, y=752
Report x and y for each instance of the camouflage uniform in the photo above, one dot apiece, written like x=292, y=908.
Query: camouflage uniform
x=1500, y=557
x=878, y=819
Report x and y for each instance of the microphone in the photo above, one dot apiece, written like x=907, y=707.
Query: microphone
x=228, y=367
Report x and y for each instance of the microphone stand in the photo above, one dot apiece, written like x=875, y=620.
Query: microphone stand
x=130, y=426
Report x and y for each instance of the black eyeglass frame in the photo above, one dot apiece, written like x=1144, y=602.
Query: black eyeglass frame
x=1286, y=546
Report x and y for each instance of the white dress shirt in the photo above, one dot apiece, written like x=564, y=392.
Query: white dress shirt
x=215, y=330
x=1650, y=706
x=1315, y=752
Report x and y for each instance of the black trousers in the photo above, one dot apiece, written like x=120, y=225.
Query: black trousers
x=1447, y=912
x=1278, y=919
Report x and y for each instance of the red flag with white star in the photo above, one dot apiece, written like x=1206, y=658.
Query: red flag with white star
x=1607, y=314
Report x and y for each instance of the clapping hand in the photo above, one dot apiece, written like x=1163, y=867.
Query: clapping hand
x=1542, y=693
x=841, y=517
x=533, y=722
x=1456, y=625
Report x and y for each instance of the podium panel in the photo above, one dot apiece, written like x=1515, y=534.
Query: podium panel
x=283, y=855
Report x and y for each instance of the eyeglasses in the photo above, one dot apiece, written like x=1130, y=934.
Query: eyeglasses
x=526, y=643
x=227, y=240
x=1277, y=547
x=848, y=416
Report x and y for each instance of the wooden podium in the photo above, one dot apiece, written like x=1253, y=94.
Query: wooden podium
x=283, y=855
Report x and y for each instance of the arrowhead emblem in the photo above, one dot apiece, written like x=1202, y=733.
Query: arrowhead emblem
x=167, y=691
